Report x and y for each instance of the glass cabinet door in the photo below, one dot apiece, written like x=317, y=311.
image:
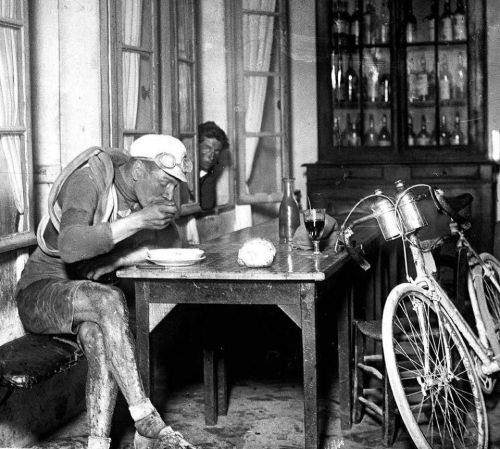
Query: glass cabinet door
x=437, y=46
x=361, y=76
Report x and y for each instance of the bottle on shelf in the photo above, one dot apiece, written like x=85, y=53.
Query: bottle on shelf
x=345, y=133
x=352, y=81
x=384, y=135
x=411, y=133
x=460, y=78
x=431, y=21
x=337, y=135
x=371, y=82
x=423, y=138
x=458, y=22
x=368, y=23
x=340, y=23
x=444, y=134
x=336, y=75
x=445, y=81
x=384, y=88
x=355, y=25
x=384, y=23
x=422, y=81
x=342, y=81
x=411, y=24
x=457, y=136
x=371, y=138
x=412, y=81
x=445, y=23
x=353, y=137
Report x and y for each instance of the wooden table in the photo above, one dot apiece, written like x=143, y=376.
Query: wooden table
x=291, y=283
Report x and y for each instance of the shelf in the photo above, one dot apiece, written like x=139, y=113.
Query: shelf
x=432, y=43
x=376, y=105
x=442, y=104
x=422, y=104
x=347, y=105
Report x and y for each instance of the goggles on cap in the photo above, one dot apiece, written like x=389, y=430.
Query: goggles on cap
x=168, y=161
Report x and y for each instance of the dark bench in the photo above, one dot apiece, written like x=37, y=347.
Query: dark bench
x=27, y=360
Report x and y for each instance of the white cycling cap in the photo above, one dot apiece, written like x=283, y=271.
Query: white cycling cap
x=167, y=152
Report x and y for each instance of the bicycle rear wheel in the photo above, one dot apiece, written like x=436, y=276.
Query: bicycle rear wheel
x=431, y=373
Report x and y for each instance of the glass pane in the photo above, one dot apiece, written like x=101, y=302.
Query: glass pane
x=452, y=24
x=258, y=42
x=190, y=146
x=186, y=98
x=10, y=86
x=185, y=17
x=262, y=108
x=137, y=27
x=12, y=193
x=374, y=21
x=137, y=92
x=421, y=76
x=11, y=9
x=263, y=164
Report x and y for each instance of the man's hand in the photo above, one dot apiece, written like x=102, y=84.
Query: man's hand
x=98, y=267
x=158, y=216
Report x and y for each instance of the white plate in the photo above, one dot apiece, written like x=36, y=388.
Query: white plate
x=176, y=256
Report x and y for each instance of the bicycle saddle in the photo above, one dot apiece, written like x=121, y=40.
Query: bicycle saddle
x=451, y=206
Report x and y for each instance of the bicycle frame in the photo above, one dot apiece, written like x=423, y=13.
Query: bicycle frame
x=441, y=301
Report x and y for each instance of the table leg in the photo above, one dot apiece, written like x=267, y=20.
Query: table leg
x=344, y=355
x=142, y=334
x=308, y=321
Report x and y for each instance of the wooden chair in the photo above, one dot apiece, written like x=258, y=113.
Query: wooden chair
x=371, y=390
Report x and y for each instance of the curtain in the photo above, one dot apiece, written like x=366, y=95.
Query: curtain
x=258, y=33
x=131, y=35
x=9, y=106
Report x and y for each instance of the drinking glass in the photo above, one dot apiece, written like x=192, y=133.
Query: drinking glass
x=314, y=220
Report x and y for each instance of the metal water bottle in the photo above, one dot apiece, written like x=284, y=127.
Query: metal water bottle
x=410, y=213
x=289, y=215
x=385, y=214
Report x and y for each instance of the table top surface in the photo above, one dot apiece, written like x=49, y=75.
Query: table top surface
x=221, y=262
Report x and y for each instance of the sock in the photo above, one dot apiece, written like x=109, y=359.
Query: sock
x=141, y=409
x=151, y=425
x=98, y=442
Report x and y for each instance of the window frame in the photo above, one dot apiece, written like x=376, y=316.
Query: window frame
x=26, y=238
x=235, y=11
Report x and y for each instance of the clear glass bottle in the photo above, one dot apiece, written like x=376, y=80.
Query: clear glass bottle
x=337, y=135
x=411, y=24
x=368, y=23
x=342, y=81
x=445, y=81
x=355, y=25
x=384, y=26
x=288, y=218
x=423, y=138
x=457, y=136
x=422, y=81
x=445, y=23
x=460, y=78
x=371, y=138
x=384, y=86
x=352, y=81
x=384, y=135
x=345, y=134
x=411, y=133
x=431, y=22
x=371, y=85
x=458, y=22
x=444, y=134
x=412, y=81
x=353, y=137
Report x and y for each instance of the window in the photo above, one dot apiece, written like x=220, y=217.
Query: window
x=16, y=184
x=152, y=75
x=261, y=49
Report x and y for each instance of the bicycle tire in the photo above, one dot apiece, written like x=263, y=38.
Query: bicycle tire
x=443, y=408
x=486, y=290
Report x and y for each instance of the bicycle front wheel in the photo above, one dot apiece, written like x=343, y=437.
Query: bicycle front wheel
x=431, y=373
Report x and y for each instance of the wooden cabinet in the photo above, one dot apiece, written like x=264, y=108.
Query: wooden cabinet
x=402, y=96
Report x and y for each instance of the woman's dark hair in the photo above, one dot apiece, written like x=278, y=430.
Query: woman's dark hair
x=211, y=130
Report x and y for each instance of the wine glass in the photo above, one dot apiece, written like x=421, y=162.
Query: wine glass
x=314, y=220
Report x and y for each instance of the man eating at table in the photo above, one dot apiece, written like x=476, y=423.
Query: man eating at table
x=106, y=205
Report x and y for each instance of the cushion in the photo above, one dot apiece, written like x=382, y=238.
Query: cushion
x=27, y=360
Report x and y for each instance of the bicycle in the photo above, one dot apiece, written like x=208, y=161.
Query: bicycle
x=433, y=358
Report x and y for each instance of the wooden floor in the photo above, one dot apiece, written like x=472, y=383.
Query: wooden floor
x=262, y=414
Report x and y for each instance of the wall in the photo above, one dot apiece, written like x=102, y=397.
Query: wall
x=304, y=121
x=493, y=74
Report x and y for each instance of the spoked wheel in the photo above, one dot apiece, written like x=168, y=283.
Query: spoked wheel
x=487, y=287
x=431, y=373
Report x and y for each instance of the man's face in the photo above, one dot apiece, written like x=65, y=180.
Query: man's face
x=155, y=186
x=210, y=149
